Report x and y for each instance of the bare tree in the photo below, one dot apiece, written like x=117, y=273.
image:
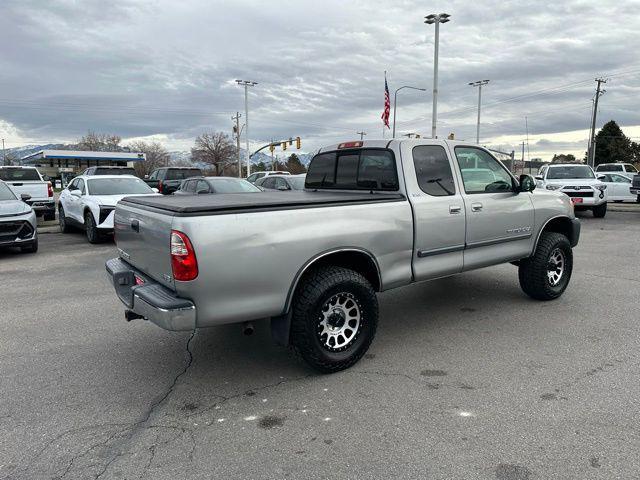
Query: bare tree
x=99, y=142
x=216, y=149
x=156, y=156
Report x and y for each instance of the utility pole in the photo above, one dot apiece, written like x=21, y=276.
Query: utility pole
x=237, y=132
x=523, y=159
x=526, y=126
x=362, y=134
x=4, y=155
x=592, y=147
x=247, y=84
x=479, y=84
x=437, y=19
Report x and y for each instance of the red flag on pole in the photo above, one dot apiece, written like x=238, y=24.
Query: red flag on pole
x=387, y=103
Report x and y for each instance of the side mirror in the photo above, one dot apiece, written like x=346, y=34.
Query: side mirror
x=538, y=177
x=25, y=196
x=600, y=176
x=282, y=188
x=527, y=183
x=75, y=193
x=202, y=192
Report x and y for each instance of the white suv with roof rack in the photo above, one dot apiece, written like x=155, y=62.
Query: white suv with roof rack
x=579, y=182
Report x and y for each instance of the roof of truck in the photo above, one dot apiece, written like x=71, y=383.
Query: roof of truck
x=225, y=203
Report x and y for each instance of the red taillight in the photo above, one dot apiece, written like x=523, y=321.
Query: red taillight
x=49, y=189
x=160, y=186
x=350, y=145
x=183, y=258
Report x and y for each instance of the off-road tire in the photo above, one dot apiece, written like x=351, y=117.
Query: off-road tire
x=532, y=272
x=32, y=247
x=315, y=289
x=600, y=211
x=62, y=221
x=91, y=229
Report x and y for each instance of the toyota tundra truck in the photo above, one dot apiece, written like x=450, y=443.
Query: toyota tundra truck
x=374, y=215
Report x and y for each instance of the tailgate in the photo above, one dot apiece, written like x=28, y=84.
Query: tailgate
x=143, y=240
x=37, y=189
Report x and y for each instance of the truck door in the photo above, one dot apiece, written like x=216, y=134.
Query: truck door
x=438, y=211
x=499, y=220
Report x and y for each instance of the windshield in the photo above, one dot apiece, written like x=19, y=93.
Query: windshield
x=570, y=171
x=114, y=171
x=232, y=185
x=19, y=174
x=117, y=186
x=297, y=183
x=6, y=193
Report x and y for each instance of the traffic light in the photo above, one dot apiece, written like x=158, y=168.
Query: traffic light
x=298, y=143
x=284, y=146
x=272, y=147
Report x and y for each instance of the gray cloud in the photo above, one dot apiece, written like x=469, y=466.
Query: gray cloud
x=139, y=68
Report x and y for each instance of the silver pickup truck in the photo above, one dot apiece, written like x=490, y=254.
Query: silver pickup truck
x=374, y=215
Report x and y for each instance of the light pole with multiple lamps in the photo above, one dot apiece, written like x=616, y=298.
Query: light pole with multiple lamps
x=479, y=84
x=437, y=19
x=246, y=84
x=395, y=101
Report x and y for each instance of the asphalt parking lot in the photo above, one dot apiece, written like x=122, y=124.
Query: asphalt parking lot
x=467, y=378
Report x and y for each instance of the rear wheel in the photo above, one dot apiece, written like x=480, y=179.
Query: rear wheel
x=93, y=235
x=62, y=220
x=546, y=274
x=600, y=211
x=334, y=318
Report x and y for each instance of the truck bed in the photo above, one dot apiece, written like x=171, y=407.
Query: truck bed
x=220, y=204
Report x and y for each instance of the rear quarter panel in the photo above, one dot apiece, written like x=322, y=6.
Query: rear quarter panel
x=248, y=262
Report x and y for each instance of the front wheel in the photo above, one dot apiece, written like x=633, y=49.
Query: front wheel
x=334, y=318
x=546, y=274
x=600, y=211
x=62, y=220
x=93, y=235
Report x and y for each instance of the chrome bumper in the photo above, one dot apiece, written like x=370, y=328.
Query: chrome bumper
x=151, y=300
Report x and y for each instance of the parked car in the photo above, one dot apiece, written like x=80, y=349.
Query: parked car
x=374, y=215
x=109, y=170
x=203, y=185
x=624, y=169
x=618, y=187
x=282, y=182
x=579, y=182
x=635, y=187
x=168, y=179
x=255, y=176
x=89, y=202
x=29, y=181
x=17, y=221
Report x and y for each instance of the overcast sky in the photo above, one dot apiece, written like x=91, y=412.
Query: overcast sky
x=166, y=69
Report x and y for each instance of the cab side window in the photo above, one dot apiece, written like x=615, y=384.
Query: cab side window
x=481, y=173
x=433, y=170
x=81, y=186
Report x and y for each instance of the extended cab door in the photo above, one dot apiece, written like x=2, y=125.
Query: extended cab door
x=499, y=220
x=438, y=210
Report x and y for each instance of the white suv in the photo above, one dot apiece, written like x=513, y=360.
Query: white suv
x=255, y=176
x=579, y=182
x=624, y=169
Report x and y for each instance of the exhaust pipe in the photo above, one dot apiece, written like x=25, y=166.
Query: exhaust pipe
x=247, y=328
x=131, y=315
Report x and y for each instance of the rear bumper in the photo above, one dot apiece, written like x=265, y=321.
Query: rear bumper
x=151, y=300
x=43, y=206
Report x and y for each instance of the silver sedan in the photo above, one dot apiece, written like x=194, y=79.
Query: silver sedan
x=17, y=221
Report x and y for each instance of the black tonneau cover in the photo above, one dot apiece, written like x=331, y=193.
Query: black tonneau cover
x=224, y=203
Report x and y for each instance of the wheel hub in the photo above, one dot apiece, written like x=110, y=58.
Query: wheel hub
x=555, y=267
x=339, y=322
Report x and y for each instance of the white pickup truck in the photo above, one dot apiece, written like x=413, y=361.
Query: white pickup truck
x=27, y=180
x=373, y=216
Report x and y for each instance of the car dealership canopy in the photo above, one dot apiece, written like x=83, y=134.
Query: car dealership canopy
x=56, y=162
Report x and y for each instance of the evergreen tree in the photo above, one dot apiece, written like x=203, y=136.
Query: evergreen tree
x=612, y=145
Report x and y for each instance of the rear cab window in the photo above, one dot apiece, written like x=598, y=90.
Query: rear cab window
x=354, y=169
x=19, y=174
x=182, y=173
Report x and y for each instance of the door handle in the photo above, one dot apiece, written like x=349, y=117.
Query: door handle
x=453, y=209
x=135, y=225
x=476, y=207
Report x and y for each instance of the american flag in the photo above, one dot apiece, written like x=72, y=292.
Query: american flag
x=387, y=104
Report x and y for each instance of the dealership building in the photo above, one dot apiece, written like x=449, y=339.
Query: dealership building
x=65, y=164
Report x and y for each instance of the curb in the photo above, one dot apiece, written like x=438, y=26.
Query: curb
x=52, y=229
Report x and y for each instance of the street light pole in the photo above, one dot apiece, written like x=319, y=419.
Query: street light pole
x=247, y=84
x=479, y=84
x=437, y=19
x=395, y=101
